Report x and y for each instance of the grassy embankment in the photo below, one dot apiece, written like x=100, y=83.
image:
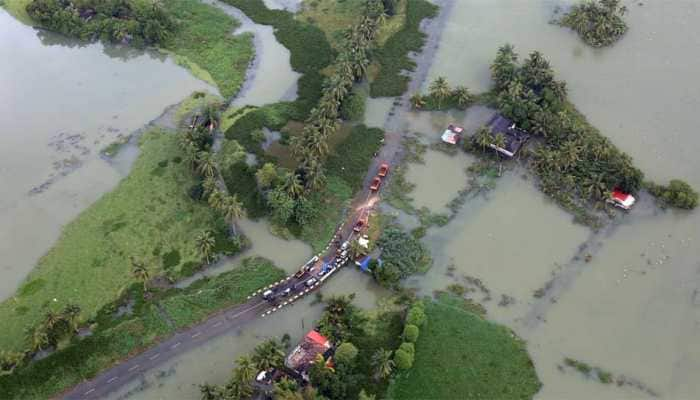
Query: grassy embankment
x=392, y=58
x=18, y=9
x=460, y=355
x=149, y=216
x=115, y=337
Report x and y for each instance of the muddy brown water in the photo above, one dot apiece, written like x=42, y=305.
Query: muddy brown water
x=62, y=102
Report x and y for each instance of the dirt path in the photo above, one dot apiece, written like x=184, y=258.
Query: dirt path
x=235, y=317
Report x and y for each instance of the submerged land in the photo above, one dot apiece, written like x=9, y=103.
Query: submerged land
x=166, y=261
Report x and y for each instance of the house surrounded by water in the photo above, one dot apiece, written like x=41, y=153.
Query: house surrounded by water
x=515, y=137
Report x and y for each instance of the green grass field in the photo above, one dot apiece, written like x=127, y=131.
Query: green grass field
x=204, y=44
x=116, y=337
x=148, y=215
x=18, y=9
x=459, y=355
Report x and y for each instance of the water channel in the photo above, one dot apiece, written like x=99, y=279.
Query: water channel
x=634, y=309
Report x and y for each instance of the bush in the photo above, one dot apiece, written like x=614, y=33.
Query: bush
x=353, y=107
x=677, y=194
x=416, y=316
x=409, y=348
x=403, y=359
x=410, y=333
x=354, y=154
x=403, y=255
x=346, y=353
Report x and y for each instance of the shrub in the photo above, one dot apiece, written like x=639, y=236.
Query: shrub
x=409, y=348
x=346, y=353
x=416, y=316
x=677, y=194
x=353, y=107
x=410, y=333
x=403, y=359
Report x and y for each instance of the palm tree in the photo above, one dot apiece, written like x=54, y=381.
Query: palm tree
x=357, y=250
x=139, y=271
x=439, y=90
x=216, y=199
x=245, y=369
x=71, y=313
x=315, y=178
x=462, y=95
x=51, y=320
x=209, y=185
x=190, y=154
x=417, y=101
x=383, y=364
x=210, y=392
x=211, y=115
x=232, y=210
x=499, y=141
x=206, y=165
x=205, y=244
x=483, y=137
x=292, y=185
x=269, y=354
x=37, y=338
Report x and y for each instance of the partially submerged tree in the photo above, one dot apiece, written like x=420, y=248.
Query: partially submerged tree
x=599, y=23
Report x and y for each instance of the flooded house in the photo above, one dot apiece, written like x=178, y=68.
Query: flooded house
x=515, y=137
x=307, y=351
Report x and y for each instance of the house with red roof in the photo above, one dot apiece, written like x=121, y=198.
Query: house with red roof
x=307, y=351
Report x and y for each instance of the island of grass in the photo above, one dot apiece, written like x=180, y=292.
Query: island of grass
x=138, y=325
x=149, y=216
x=199, y=36
x=460, y=355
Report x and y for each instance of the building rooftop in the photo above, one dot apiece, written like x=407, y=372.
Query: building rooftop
x=307, y=350
x=515, y=137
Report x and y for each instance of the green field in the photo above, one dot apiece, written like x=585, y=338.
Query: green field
x=459, y=355
x=115, y=337
x=147, y=216
x=18, y=9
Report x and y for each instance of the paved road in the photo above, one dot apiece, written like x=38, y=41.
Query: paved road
x=233, y=318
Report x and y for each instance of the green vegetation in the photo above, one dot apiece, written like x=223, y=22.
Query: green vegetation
x=393, y=58
x=442, y=97
x=598, y=22
x=309, y=50
x=18, y=9
x=148, y=216
x=203, y=42
x=197, y=35
x=402, y=254
x=353, y=155
x=598, y=373
x=677, y=194
x=116, y=335
x=459, y=355
x=353, y=107
x=139, y=23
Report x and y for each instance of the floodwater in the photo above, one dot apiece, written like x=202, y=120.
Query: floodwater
x=271, y=77
x=63, y=102
x=634, y=309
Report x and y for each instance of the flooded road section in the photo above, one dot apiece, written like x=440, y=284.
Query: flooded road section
x=632, y=309
x=63, y=102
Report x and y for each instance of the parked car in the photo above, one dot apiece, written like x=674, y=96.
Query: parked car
x=310, y=282
x=383, y=170
x=267, y=295
x=376, y=183
x=300, y=273
x=287, y=291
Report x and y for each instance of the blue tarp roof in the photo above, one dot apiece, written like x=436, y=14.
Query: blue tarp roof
x=364, y=263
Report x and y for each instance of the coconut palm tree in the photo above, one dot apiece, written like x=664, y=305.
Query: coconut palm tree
x=211, y=115
x=269, y=354
x=232, y=210
x=383, y=364
x=245, y=369
x=315, y=178
x=216, y=199
x=205, y=164
x=140, y=272
x=417, y=101
x=483, y=137
x=439, y=90
x=205, y=244
x=51, y=320
x=209, y=186
x=292, y=185
x=462, y=96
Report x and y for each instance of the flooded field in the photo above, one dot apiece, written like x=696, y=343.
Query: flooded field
x=62, y=103
x=633, y=310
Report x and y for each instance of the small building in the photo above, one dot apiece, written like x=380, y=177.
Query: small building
x=306, y=352
x=515, y=137
x=453, y=134
x=621, y=199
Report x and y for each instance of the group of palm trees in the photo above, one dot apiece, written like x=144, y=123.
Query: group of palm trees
x=598, y=23
x=440, y=94
x=311, y=147
x=267, y=355
x=574, y=160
